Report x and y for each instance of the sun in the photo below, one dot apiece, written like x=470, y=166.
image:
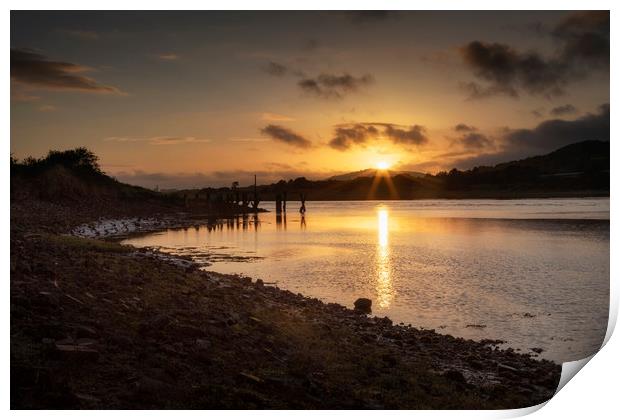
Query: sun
x=382, y=165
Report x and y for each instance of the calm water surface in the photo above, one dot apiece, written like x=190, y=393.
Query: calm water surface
x=534, y=273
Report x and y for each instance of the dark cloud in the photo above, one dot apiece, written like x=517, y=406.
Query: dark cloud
x=471, y=138
x=360, y=134
x=582, y=46
x=276, y=69
x=561, y=110
x=331, y=86
x=414, y=135
x=477, y=91
x=538, y=113
x=475, y=140
x=507, y=71
x=464, y=128
x=325, y=85
x=284, y=135
x=552, y=134
x=546, y=137
x=37, y=71
x=357, y=134
x=584, y=37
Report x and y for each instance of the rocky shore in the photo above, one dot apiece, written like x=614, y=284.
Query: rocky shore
x=98, y=325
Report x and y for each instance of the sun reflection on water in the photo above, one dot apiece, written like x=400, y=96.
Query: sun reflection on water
x=385, y=291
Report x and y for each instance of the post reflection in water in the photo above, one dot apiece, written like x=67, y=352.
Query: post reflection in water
x=385, y=291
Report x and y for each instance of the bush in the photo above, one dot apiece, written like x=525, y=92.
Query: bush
x=80, y=159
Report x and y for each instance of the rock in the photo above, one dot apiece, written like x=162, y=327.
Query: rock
x=455, y=376
x=363, y=305
x=506, y=368
x=82, y=331
x=87, y=398
x=203, y=344
x=250, y=377
x=151, y=387
x=72, y=352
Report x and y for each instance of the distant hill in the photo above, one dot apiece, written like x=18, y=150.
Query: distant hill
x=579, y=169
x=585, y=156
x=371, y=172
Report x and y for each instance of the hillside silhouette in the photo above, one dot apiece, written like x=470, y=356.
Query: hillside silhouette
x=579, y=169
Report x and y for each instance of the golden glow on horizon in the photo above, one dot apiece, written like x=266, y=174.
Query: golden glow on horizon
x=383, y=165
x=385, y=291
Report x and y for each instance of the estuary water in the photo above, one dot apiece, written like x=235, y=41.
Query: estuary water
x=532, y=272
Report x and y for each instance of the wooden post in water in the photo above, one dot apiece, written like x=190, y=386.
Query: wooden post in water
x=256, y=200
x=278, y=203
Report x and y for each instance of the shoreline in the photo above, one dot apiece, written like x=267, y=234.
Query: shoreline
x=171, y=331
x=206, y=259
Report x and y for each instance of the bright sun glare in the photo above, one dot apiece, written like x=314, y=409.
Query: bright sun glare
x=382, y=165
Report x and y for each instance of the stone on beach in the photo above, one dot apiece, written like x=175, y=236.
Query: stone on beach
x=363, y=305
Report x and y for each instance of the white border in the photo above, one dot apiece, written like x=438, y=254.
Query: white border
x=594, y=394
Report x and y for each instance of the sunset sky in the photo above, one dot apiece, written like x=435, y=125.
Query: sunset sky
x=184, y=99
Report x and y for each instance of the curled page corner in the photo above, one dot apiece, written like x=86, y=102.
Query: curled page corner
x=613, y=312
x=570, y=369
x=520, y=412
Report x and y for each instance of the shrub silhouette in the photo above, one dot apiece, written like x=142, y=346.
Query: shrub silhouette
x=79, y=159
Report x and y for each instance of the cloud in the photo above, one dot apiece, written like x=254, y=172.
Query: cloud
x=582, y=41
x=464, y=128
x=584, y=37
x=276, y=69
x=507, y=71
x=359, y=134
x=158, y=140
x=475, y=140
x=82, y=34
x=414, y=135
x=561, y=110
x=477, y=91
x=269, y=116
x=471, y=138
x=332, y=86
x=37, y=71
x=284, y=135
x=324, y=85
x=168, y=57
x=552, y=134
